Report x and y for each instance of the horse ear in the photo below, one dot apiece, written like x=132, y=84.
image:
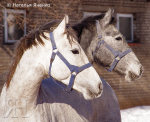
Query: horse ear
x=107, y=18
x=62, y=26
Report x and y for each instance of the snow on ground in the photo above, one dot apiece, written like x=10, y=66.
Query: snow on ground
x=136, y=114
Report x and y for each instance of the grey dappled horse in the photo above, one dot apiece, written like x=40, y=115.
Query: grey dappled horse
x=104, y=44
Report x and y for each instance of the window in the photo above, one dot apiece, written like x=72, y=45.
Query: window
x=14, y=25
x=125, y=25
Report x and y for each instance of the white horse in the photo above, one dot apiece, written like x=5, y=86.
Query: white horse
x=34, y=58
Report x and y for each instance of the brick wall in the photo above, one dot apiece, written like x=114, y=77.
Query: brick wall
x=142, y=26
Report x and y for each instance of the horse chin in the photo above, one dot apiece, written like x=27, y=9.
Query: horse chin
x=89, y=95
x=127, y=78
x=130, y=73
x=134, y=72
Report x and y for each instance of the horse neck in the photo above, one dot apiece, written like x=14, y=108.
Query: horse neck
x=27, y=78
x=86, y=40
x=87, y=36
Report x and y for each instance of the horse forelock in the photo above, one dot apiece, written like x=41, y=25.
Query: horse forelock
x=33, y=39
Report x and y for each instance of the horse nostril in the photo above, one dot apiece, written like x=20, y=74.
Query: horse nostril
x=100, y=88
x=141, y=70
x=132, y=75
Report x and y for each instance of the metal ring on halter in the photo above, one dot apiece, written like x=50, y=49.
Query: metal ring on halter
x=73, y=69
x=117, y=54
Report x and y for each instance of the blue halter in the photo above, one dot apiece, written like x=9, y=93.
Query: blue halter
x=73, y=69
x=117, y=54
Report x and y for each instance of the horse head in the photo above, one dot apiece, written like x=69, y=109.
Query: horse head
x=70, y=62
x=104, y=44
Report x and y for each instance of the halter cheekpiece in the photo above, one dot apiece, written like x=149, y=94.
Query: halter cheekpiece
x=73, y=69
x=117, y=54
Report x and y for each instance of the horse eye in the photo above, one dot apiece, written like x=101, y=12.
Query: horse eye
x=75, y=51
x=118, y=38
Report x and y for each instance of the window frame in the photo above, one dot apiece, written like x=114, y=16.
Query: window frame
x=5, y=12
x=129, y=16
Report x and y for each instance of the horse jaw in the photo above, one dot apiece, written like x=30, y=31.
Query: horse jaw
x=62, y=73
x=85, y=84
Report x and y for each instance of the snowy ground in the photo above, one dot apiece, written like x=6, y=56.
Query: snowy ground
x=136, y=114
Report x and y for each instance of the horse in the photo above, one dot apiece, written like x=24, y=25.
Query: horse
x=14, y=30
x=102, y=109
x=11, y=26
x=88, y=31
x=51, y=50
x=106, y=46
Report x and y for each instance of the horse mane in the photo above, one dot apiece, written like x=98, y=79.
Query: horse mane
x=33, y=39
x=87, y=22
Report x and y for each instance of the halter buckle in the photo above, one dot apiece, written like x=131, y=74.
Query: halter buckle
x=55, y=50
x=118, y=58
x=74, y=73
x=99, y=36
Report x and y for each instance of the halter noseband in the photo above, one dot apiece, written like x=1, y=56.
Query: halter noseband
x=117, y=54
x=73, y=69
